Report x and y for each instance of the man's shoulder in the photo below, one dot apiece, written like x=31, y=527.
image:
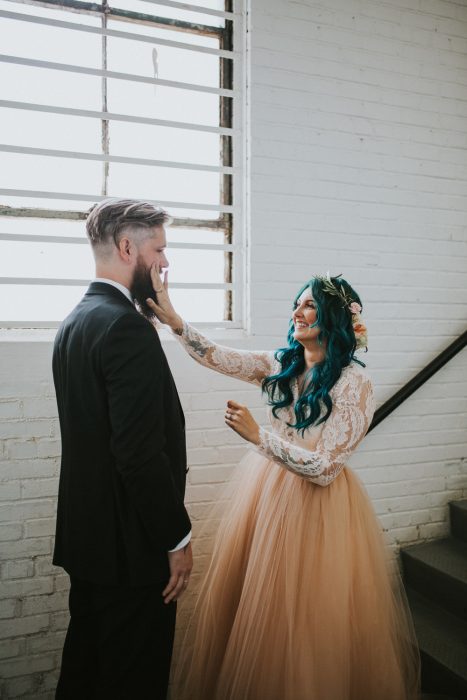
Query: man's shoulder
x=133, y=340
x=130, y=329
x=129, y=318
x=102, y=309
x=93, y=317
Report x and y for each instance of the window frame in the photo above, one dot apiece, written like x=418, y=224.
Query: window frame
x=231, y=130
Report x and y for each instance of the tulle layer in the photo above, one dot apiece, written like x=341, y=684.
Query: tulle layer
x=300, y=601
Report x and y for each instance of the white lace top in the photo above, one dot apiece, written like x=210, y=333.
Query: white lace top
x=323, y=451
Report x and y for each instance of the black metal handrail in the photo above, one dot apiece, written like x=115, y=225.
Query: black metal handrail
x=416, y=382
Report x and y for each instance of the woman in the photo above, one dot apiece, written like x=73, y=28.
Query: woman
x=299, y=602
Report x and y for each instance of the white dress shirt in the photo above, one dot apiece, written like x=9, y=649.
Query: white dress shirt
x=127, y=293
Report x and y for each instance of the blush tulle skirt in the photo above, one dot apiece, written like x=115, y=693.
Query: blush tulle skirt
x=300, y=600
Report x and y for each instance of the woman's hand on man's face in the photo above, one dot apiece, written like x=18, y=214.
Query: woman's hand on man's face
x=163, y=308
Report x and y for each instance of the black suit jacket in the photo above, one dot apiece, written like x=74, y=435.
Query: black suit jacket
x=123, y=469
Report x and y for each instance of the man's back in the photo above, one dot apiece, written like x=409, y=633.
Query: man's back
x=123, y=444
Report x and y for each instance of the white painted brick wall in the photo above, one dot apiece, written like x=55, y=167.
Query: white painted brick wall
x=358, y=165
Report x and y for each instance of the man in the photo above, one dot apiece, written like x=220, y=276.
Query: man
x=122, y=529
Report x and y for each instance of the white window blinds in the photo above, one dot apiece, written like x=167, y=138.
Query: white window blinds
x=143, y=100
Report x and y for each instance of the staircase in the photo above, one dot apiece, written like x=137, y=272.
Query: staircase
x=435, y=577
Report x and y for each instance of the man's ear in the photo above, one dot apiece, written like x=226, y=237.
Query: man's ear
x=125, y=249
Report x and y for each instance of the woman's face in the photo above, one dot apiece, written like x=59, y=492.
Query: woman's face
x=304, y=316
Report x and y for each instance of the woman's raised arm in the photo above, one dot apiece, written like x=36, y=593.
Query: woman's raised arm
x=250, y=366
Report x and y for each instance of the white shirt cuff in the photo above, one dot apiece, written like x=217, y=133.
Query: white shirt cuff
x=182, y=544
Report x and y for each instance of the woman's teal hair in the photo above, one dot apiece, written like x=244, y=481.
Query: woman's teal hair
x=334, y=319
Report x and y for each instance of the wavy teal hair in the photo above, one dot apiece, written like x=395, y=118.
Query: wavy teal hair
x=334, y=320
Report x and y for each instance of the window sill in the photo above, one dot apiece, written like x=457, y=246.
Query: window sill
x=47, y=335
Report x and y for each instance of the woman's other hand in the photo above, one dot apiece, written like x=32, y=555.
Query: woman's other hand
x=163, y=308
x=239, y=418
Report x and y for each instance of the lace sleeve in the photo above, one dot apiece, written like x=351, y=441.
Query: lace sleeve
x=353, y=408
x=251, y=366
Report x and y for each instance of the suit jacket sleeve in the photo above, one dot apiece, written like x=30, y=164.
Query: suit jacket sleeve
x=134, y=369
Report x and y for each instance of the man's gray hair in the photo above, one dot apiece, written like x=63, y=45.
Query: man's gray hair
x=108, y=220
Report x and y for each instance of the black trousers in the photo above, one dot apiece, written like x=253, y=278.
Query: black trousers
x=118, y=644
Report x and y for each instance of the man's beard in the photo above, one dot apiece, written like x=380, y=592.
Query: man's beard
x=141, y=289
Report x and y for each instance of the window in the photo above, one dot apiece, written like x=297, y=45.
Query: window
x=143, y=100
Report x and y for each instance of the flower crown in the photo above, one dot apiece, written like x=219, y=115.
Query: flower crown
x=335, y=289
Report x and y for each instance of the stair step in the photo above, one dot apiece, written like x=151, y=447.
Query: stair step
x=458, y=515
x=442, y=639
x=438, y=571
